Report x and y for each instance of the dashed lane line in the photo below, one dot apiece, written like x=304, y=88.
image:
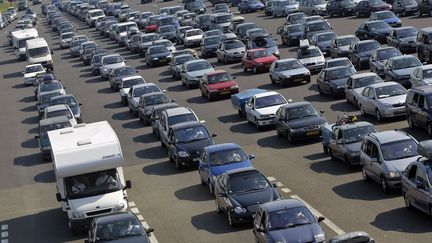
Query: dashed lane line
x=4, y=233
x=135, y=210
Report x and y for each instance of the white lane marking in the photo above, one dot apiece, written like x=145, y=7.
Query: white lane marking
x=131, y=204
x=134, y=210
x=4, y=227
x=327, y=221
x=279, y=184
x=286, y=190
x=152, y=236
x=140, y=217
x=4, y=234
x=5, y=241
x=271, y=178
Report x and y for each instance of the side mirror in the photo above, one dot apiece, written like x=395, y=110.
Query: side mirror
x=339, y=141
x=58, y=197
x=149, y=230
x=259, y=230
x=173, y=100
x=251, y=156
x=214, y=135
x=322, y=111
x=36, y=137
x=290, y=100
x=125, y=61
x=275, y=184
x=52, y=52
x=320, y=219
x=234, y=77
x=128, y=184
x=80, y=104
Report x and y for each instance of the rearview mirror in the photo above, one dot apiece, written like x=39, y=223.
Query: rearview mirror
x=128, y=185
x=149, y=230
x=320, y=219
x=80, y=104
x=322, y=111
x=259, y=230
x=214, y=135
x=251, y=156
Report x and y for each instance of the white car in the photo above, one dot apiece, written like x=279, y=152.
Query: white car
x=59, y=110
x=192, y=38
x=31, y=71
x=167, y=43
x=109, y=62
x=135, y=93
x=312, y=58
x=125, y=85
x=66, y=39
x=261, y=108
x=356, y=83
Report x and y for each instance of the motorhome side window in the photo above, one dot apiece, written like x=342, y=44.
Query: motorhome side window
x=92, y=184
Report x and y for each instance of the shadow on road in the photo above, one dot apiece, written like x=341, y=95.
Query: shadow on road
x=233, y=118
x=403, y=220
x=214, y=223
x=164, y=168
x=152, y=153
x=359, y=190
x=123, y=116
x=30, y=143
x=13, y=75
x=28, y=160
x=321, y=163
x=145, y=138
x=196, y=193
x=45, y=177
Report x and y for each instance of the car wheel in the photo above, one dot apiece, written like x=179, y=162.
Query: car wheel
x=348, y=163
x=355, y=102
x=325, y=149
x=320, y=91
x=410, y=122
x=407, y=202
x=273, y=82
x=384, y=185
x=344, y=14
x=358, y=64
x=218, y=210
x=362, y=111
x=170, y=157
x=332, y=157
x=255, y=71
x=202, y=94
x=244, y=68
x=404, y=13
x=162, y=144
x=429, y=129
x=178, y=165
x=258, y=126
x=140, y=117
x=420, y=13
x=378, y=115
x=284, y=14
x=230, y=220
x=357, y=14
x=209, y=97
x=278, y=133
x=365, y=176
x=290, y=139
x=210, y=186
x=74, y=228
x=313, y=12
x=225, y=60
x=187, y=85
x=333, y=94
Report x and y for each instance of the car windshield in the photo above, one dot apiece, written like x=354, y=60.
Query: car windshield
x=399, y=149
x=45, y=99
x=354, y=135
x=386, y=15
x=181, y=118
x=174, y=10
x=408, y=62
x=338, y=63
x=165, y=43
x=223, y=18
x=318, y=26
x=124, y=28
x=191, y=134
x=270, y=100
x=340, y=73
x=118, y=229
x=227, y=156
x=148, y=38
x=91, y=184
x=261, y=53
x=375, y=2
x=156, y=99
x=38, y=52
x=427, y=73
x=378, y=25
x=194, y=32
x=234, y=44
x=112, y=60
x=387, y=53
x=409, y=2
x=204, y=18
x=389, y=91
x=167, y=21
x=220, y=77
x=180, y=60
x=43, y=130
x=365, y=81
x=49, y=86
x=312, y=52
x=296, y=17
x=123, y=71
x=70, y=101
x=188, y=16
x=247, y=182
x=158, y=49
x=98, y=13
x=67, y=35
x=406, y=32
x=131, y=82
x=294, y=28
x=290, y=218
x=167, y=28
x=263, y=43
x=34, y=69
x=369, y=46
x=145, y=90
x=300, y=112
x=288, y=65
x=326, y=37
x=57, y=113
x=289, y=2
x=212, y=40
x=197, y=66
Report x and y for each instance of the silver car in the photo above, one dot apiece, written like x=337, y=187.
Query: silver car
x=338, y=62
x=66, y=39
x=168, y=44
x=356, y=83
x=399, y=69
x=176, y=64
x=136, y=91
x=383, y=100
x=125, y=85
x=339, y=46
x=313, y=7
x=192, y=38
x=146, y=42
x=192, y=71
x=288, y=71
x=284, y=7
x=230, y=51
x=312, y=58
x=109, y=62
x=421, y=76
x=384, y=155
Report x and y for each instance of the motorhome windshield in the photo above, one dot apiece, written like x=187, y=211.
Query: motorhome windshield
x=92, y=184
x=38, y=52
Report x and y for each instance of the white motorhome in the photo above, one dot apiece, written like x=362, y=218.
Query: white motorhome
x=38, y=51
x=88, y=165
x=19, y=38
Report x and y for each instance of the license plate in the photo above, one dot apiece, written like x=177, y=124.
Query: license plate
x=298, y=79
x=225, y=92
x=267, y=65
x=312, y=133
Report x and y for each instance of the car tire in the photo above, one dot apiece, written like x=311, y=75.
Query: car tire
x=320, y=91
x=290, y=139
x=162, y=144
x=429, y=129
x=357, y=14
x=314, y=13
x=255, y=71
x=404, y=13
x=407, y=202
x=344, y=14
x=332, y=157
x=362, y=111
x=278, y=133
x=378, y=115
x=273, y=82
x=140, y=117
x=348, y=163
x=74, y=228
x=364, y=175
x=258, y=126
x=209, y=97
x=211, y=189
x=384, y=185
x=325, y=149
x=225, y=60
x=244, y=68
x=229, y=217
x=178, y=165
x=410, y=122
x=420, y=13
x=202, y=94
x=284, y=14
x=170, y=158
x=333, y=94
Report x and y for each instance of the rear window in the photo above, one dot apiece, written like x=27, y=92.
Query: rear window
x=172, y=120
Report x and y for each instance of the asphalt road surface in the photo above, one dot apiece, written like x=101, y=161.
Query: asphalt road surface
x=172, y=202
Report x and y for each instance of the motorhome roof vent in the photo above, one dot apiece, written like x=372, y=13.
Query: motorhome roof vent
x=66, y=131
x=84, y=142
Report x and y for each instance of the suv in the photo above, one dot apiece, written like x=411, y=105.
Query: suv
x=384, y=155
x=171, y=117
x=419, y=113
x=424, y=45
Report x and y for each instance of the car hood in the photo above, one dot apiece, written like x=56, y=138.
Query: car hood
x=400, y=164
x=391, y=20
x=311, y=59
x=132, y=239
x=194, y=148
x=200, y=73
x=241, y=49
x=324, y=44
x=217, y=170
x=107, y=200
x=404, y=72
x=408, y=39
x=381, y=31
x=268, y=59
x=222, y=85
x=194, y=37
x=212, y=46
x=302, y=233
x=164, y=54
x=268, y=110
x=226, y=24
x=344, y=48
x=294, y=71
x=394, y=99
x=353, y=147
x=254, y=197
x=307, y=122
x=339, y=81
x=31, y=75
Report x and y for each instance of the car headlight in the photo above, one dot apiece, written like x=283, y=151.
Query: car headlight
x=238, y=209
x=265, y=116
x=78, y=215
x=296, y=129
x=234, y=87
x=155, y=58
x=119, y=207
x=319, y=237
x=392, y=174
x=183, y=154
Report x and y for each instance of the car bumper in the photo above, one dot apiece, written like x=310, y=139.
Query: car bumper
x=234, y=58
x=393, y=112
x=306, y=134
x=394, y=183
x=314, y=67
x=224, y=92
x=242, y=218
x=411, y=47
x=188, y=161
x=160, y=62
x=266, y=121
x=295, y=79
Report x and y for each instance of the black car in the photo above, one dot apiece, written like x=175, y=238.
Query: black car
x=71, y=101
x=186, y=141
x=148, y=101
x=365, y=7
x=87, y=55
x=377, y=30
x=403, y=38
x=360, y=52
x=291, y=34
x=209, y=45
x=294, y=18
x=299, y=120
x=424, y=45
x=424, y=7
x=120, y=227
x=405, y=7
x=239, y=193
x=202, y=22
x=117, y=74
x=340, y=7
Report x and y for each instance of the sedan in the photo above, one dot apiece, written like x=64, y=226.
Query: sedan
x=218, y=83
x=248, y=6
x=167, y=32
x=146, y=42
x=387, y=16
x=405, y=7
x=342, y=8
x=284, y=7
x=365, y=7
x=421, y=76
x=192, y=38
x=209, y=45
x=219, y=158
x=339, y=46
x=383, y=100
x=176, y=64
x=323, y=41
x=360, y=52
x=261, y=108
x=356, y=83
x=125, y=85
x=117, y=74
x=399, y=69
x=230, y=51
x=192, y=71
x=338, y=62
x=287, y=220
x=312, y=58
x=259, y=60
x=403, y=38
x=291, y=34
x=138, y=90
x=294, y=18
x=288, y=71
x=157, y=55
x=148, y=101
x=299, y=120
x=71, y=102
x=180, y=33
x=379, y=57
x=239, y=193
x=31, y=71
x=377, y=29
x=333, y=80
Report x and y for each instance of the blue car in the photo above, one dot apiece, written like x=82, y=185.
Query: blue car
x=219, y=158
x=387, y=16
x=239, y=100
x=286, y=220
x=249, y=6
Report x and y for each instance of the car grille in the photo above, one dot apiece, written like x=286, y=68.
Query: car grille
x=399, y=105
x=310, y=64
x=312, y=127
x=98, y=212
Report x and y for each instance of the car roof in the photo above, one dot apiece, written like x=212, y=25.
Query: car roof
x=296, y=104
x=336, y=68
x=402, y=57
x=325, y=33
x=143, y=85
x=53, y=120
x=366, y=41
x=427, y=30
x=286, y=60
x=264, y=94
x=362, y=75
x=63, y=97
x=256, y=49
x=216, y=72
x=337, y=59
x=189, y=124
x=281, y=204
x=114, y=217
x=374, y=21
x=344, y=36
x=112, y=55
x=166, y=105
x=178, y=111
x=34, y=65
x=131, y=77
x=195, y=61
x=389, y=136
x=355, y=124
x=56, y=108
x=221, y=146
x=240, y=170
x=377, y=85
x=152, y=94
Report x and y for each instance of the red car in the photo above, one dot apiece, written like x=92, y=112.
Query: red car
x=152, y=26
x=258, y=60
x=218, y=83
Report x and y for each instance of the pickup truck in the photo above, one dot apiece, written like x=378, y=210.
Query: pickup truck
x=239, y=100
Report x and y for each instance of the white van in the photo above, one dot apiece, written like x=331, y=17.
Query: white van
x=19, y=38
x=38, y=51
